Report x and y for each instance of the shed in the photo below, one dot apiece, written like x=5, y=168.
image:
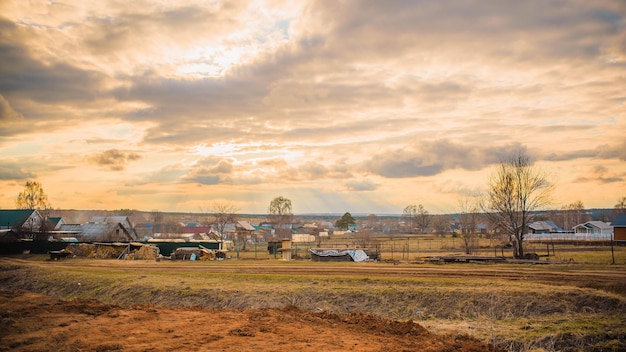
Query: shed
x=619, y=227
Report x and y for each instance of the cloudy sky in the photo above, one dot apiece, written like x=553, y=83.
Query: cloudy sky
x=360, y=106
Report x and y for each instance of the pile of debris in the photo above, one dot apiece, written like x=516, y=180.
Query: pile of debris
x=129, y=251
x=197, y=253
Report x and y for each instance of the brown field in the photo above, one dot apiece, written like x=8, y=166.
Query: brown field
x=263, y=305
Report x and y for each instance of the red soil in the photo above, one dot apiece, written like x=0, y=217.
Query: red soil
x=31, y=322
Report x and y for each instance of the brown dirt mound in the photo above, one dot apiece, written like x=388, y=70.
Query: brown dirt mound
x=31, y=322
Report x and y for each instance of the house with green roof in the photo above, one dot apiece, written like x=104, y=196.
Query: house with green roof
x=28, y=220
x=55, y=223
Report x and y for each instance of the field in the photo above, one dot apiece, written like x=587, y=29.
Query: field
x=263, y=305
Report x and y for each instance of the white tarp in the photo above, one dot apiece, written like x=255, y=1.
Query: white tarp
x=357, y=255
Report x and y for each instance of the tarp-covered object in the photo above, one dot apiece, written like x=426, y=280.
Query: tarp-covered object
x=355, y=255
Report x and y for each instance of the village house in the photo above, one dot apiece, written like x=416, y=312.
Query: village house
x=595, y=228
x=547, y=226
x=22, y=224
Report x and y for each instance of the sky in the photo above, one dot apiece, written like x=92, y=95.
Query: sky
x=359, y=106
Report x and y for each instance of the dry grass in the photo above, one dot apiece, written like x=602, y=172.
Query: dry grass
x=416, y=247
x=520, y=315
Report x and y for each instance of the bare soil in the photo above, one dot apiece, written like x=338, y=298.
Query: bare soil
x=32, y=322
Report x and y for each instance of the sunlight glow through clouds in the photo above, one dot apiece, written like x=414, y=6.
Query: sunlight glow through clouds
x=363, y=106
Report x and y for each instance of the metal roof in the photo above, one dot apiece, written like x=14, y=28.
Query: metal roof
x=543, y=225
x=246, y=225
x=14, y=218
x=597, y=224
x=104, y=232
x=619, y=221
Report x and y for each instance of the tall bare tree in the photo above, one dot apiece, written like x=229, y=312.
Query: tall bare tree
x=573, y=214
x=620, y=206
x=423, y=218
x=515, y=191
x=155, y=217
x=223, y=214
x=441, y=224
x=409, y=215
x=372, y=222
x=279, y=214
x=468, y=219
x=416, y=217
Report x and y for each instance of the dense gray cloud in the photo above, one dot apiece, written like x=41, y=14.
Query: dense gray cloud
x=13, y=171
x=148, y=28
x=114, y=159
x=503, y=28
x=166, y=175
x=360, y=185
x=350, y=93
x=340, y=38
x=6, y=111
x=24, y=77
x=210, y=171
x=433, y=157
x=605, y=151
x=600, y=174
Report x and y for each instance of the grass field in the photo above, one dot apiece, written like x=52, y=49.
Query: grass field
x=514, y=306
x=403, y=247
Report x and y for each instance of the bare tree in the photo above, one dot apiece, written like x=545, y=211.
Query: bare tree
x=372, y=222
x=515, y=191
x=620, y=206
x=468, y=220
x=279, y=214
x=223, y=214
x=409, y=215
x=156, y=218
x=441, y=224
x=423, y=218
x=573, y=214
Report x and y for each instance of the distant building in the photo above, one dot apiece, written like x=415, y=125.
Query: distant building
x=594, y=228
x=27, y=220
x=547, y=226
x=55, y=223
x=619, y=227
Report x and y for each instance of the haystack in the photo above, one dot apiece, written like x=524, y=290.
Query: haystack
x=145, y=252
